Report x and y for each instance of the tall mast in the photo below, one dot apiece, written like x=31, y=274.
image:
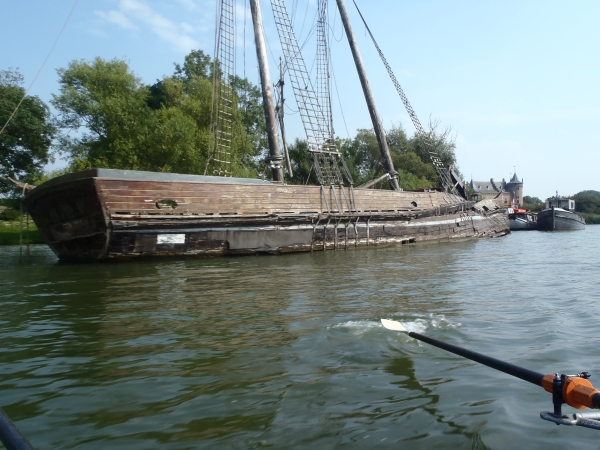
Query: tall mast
x=364, y=81
x=275, y=157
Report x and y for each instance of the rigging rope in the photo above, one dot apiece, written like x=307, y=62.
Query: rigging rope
x=223, y=90
x=328, y=164
x=42, y=66
x=443, y=172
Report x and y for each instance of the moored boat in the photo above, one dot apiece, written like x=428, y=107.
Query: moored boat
x=521, y=219
x=560, y=215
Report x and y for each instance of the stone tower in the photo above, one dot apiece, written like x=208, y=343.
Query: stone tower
x=515, y=187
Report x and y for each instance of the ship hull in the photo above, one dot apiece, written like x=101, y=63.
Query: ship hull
x=521, y=222
x=557, y=219
x=109, y=214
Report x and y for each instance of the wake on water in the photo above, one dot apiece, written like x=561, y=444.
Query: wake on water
x=412, y=322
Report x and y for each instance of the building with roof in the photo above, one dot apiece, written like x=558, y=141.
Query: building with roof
x=505, y=193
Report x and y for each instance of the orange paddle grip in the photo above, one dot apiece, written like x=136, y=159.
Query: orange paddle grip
x=577, y=392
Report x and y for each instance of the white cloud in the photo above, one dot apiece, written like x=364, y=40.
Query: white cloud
x=135, y=15
x=117, y=18
x=186, y=27
x=189, y=4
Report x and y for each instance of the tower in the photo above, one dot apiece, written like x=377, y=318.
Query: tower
x=515, y=187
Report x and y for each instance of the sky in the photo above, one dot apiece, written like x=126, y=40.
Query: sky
x=515, y=80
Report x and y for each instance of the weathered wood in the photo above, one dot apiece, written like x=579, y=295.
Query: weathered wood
x=364, y=81
x=97, y=218
x=205, y=198
x=265, y=82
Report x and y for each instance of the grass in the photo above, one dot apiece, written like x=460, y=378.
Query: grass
x=590, y=218
x=10, y=233
x=13, y=203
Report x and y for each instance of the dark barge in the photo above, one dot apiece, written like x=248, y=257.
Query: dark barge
x=560, y=215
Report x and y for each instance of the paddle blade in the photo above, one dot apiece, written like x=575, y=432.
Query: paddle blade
x=393, y=325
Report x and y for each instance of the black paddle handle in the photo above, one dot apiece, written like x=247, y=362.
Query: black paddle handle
x=502, y=366
x=10, y=436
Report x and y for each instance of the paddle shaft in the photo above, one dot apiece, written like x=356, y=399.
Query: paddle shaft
x=516, y=371
x=10, y=436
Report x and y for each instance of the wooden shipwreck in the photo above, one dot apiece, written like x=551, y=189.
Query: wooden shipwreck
x=106, y=214
x=103, y=213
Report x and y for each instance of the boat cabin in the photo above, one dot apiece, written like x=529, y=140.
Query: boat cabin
x=560, y=202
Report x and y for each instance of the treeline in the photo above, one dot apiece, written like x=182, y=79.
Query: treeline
x=107, y=117
x=587, y=203
x=363, y=158
x=121, y=123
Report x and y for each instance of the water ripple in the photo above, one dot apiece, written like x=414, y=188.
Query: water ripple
x=289, y=351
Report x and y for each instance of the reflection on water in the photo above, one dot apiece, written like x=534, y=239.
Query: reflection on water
x=288, y=351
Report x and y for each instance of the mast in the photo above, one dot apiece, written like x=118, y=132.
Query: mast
x=275, y=157
x=364, y=81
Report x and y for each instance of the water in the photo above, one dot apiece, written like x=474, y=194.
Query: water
x=287, y=351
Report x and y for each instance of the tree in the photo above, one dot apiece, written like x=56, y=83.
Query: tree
x=121, y=123
x=302, y=165
x=531, y=200
x=363, y=158
x=415, y=169
x=26, y=140
x=103, y=113
x=587, y=202
x=196, y=65
x=410, y=157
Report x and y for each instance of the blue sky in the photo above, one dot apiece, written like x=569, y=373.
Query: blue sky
x=517, y=81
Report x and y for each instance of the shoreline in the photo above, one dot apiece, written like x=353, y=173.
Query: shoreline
x=10, y=233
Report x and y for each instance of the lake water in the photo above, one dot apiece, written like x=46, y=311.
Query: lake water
x=288, y=351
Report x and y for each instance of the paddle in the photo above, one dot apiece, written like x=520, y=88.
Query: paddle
x=574, y=390
x=10, y=436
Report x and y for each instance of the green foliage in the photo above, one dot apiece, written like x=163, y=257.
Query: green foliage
x=363, y=158
x=106, y=103
x=48, y=175
x=10, y=228
x=25, y=142
x=409, y=156
x=13, y=203
x=196, y=65
x=124, y=124
x=587, y=203
x=533, y=203
x=531, y=200
x=10, y=214
x=534, y=207
x=587, y=194
x=121, y=123
x=10, y=234
x=591, y=219
x=301, y=163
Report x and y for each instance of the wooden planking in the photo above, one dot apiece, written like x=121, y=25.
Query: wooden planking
x=330, y=237
x=205, y=198
x=189, y=189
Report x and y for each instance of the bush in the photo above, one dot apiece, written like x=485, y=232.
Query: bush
x=591, y=219
x=534, y=207
x=10, y=214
